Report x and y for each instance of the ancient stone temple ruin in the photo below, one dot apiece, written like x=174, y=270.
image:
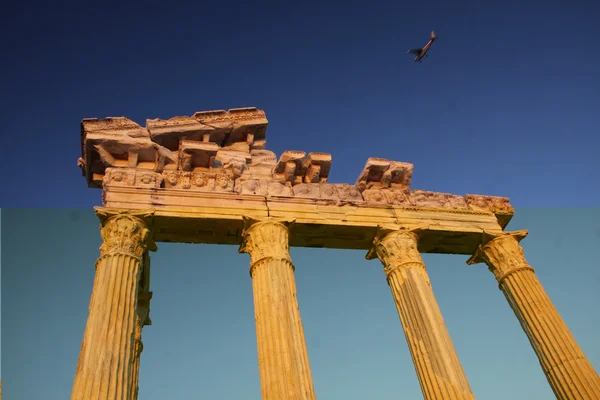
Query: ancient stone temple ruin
x=209, y=179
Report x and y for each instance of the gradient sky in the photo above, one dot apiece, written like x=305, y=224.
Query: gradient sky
x=506, y=104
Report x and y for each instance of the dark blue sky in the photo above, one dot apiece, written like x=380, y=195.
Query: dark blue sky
x=506, y=104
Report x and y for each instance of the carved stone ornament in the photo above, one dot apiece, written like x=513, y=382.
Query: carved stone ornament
x=382, y=173
x=223, y=151
x=264, y=188
x=397, y=248
x=206, y=181
x=422, y=198
x=501, y=253
x=125, y=233
x=267, y=238
x=495, y=204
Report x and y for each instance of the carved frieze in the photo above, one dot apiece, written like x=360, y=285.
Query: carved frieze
x=495, y=204
x=307, y=190
x=389, y=196
x=132, y=177
x=422, y=198
x=206, y=181
x=263, y=188
x=327, y=191
x=347, y=192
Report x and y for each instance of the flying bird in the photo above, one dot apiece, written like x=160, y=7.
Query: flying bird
x=421, y=52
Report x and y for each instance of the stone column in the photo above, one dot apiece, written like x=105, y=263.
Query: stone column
x=438, y=368
x=142, y=318
x=105, y=366
x=282, y=356
x=566, y=367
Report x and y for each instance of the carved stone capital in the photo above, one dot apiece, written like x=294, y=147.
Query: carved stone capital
x=397, y=248
x=266, y=238
x=125, y=232
x=502, y=253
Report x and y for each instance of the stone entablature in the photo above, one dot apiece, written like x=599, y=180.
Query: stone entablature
x=224, y=152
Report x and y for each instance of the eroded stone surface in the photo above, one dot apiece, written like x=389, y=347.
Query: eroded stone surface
x=223, y=151
x=382, y=173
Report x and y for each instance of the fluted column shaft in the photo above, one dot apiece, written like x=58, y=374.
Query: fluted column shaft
x=105, y=366
x=282, y=356
x=569, y=372
x=137, y=351
x=142, y=318
x=438, y=368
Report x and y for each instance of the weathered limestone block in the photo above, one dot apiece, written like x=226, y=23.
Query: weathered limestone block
x=495, y=204
x=327, y=191
x=249, y=125
x=283, y=362
x=348, y=193
x=194, y=155
x=317, y=167
x=119, y=126
x=119, y=142
x=438, y=368
x=262, y=165
x=307, y=190
x=382, y=173
x=423, y=198
x=568, y=370
x=291, y=167
x=104, y=369
x=132, y=177
x=168, y=133
x=263, y=188
x=215, y=180
x=238, y=125
x=500, y=206
x=295, y=167
x=379, y=195
x=236, y=162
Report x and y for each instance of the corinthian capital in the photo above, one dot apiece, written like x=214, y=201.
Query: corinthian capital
x=265, y=238
x=502, y=253
x=125, y=232
x=396, y=248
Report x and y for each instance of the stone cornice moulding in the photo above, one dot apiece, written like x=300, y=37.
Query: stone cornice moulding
x=212, y=168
